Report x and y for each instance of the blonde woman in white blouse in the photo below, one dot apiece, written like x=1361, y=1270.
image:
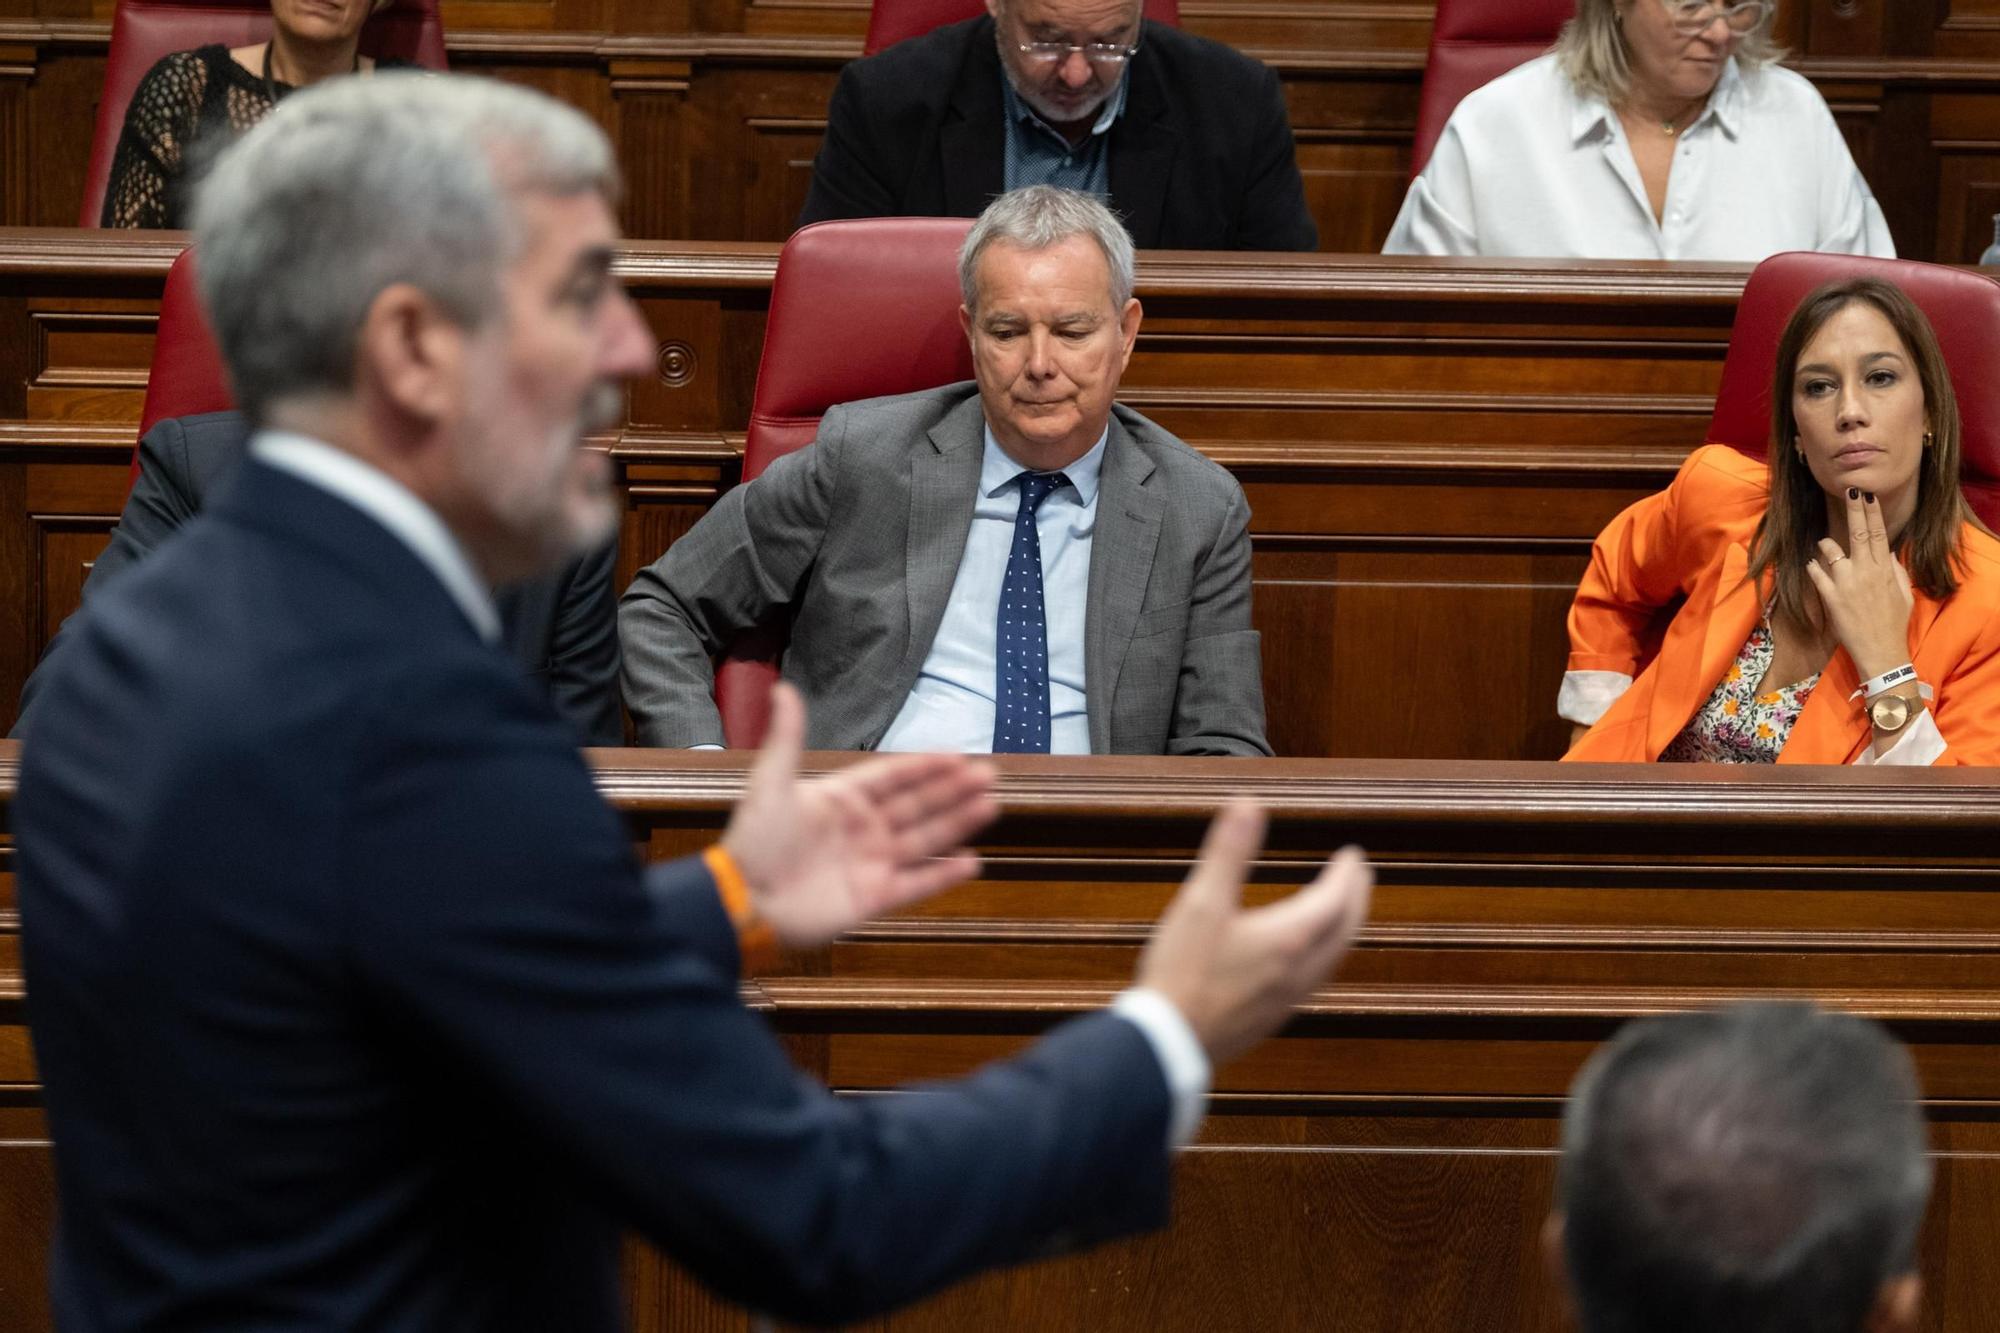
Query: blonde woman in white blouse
x=1656, y=129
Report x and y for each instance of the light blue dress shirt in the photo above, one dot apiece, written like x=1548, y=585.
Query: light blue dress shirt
x=951, y=706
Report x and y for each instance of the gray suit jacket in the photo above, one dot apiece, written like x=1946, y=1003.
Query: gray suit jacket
x=858, y=537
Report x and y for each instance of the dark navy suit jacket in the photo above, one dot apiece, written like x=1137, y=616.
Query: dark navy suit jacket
x=355, y=1010
x=563, y=628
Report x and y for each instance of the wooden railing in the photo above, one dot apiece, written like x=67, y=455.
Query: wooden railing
x=1386, y=1161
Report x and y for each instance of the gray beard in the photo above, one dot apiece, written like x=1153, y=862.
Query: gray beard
x=1042, y=109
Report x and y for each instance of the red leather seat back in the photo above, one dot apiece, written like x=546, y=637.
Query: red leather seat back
x=892, y=21
x=1474, y=42
x=1963, y=306
x=187, y=375
x=142, y=31
x=859, y=309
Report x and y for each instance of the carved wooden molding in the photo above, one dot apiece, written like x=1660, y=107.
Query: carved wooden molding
x=91, y=437
x=1162, y=274
x=1446, y=935
x=917, y=1003
x=27, y=251
x=1329, y=792
x=1332, y=792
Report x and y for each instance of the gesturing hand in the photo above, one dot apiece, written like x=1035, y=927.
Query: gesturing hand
x=1236, y=974
x=823, y=856
x=1866, y=592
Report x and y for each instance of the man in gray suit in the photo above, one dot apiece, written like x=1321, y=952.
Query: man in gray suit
x=1013, y=564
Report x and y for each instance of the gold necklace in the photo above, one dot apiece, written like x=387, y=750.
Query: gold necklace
x=1672, y=127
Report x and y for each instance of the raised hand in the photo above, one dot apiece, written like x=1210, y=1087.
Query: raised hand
x=821, y=857
x=1865, y=592
x=1236, y=974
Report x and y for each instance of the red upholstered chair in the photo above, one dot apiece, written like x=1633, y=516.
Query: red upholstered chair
x=144, y=30
x=859, y=309
x=892, y=21
x=187, y=375
x=1963, y=306
x=1474, y=42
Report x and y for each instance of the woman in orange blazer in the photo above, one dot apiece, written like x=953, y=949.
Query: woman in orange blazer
x=1842, y=603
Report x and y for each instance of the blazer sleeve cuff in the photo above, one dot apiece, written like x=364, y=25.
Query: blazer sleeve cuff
x=1920, y=746
x=1183, y=1062
x=1586, y=695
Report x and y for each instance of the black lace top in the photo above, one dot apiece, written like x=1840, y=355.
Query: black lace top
x=190, y=106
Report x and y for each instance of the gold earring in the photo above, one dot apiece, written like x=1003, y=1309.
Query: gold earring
x=1800, y=450
x=1929, y=439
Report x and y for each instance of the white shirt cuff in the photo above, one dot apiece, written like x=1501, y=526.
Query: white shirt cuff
x=1585, y=695
x=707, y=745
x=1920, y=746
x=1179, y=1052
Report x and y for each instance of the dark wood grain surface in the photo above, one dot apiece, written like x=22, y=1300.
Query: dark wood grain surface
x=1386, y=1161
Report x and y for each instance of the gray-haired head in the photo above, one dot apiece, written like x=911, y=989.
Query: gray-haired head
x=1593, y=52
x=1036, y=217
x=354, y=185
x=1759, y=1168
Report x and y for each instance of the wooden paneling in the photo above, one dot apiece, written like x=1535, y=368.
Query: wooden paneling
x=1385, y=1163
x=1428, y=448
x=718, y=105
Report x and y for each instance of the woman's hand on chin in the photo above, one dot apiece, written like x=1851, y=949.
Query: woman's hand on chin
x=1865, y=591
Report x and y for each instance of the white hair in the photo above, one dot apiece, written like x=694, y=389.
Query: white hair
x=1036, y=217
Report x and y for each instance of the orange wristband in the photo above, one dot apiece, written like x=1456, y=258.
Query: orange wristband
x=756, y=942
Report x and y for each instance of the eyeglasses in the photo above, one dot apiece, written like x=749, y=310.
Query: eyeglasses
x=1097, y=53
x=1692, y=16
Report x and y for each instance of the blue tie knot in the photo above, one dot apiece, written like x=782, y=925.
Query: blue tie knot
x=1037, y=487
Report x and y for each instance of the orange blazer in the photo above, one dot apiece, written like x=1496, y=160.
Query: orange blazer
x=1692, y=540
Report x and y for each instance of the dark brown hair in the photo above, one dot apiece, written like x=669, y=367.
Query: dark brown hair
x=1795, y=519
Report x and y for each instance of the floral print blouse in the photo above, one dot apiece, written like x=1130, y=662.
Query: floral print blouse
x=1738, y=725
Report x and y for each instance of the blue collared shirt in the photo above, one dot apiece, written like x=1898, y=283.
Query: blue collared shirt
x=951, y=706
x=1037, y=154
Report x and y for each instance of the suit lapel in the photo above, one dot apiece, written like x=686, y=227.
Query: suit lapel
x=944, y=486
x=1144, y=144
x=1121, y=565
x=971, y=143
x=1689, y=672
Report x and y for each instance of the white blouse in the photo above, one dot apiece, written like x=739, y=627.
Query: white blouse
x=1531, y=167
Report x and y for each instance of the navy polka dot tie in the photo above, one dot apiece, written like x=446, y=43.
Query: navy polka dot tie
x=1021, y=701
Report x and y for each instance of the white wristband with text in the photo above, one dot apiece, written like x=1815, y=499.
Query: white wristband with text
x=1885, y=682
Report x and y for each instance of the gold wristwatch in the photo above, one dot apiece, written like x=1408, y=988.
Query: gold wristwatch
x=1892, y=712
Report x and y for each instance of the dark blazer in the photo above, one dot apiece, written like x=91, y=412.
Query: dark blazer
x=563, y=629
x=354, y=1009
x=858, y=538
x=1200, y=160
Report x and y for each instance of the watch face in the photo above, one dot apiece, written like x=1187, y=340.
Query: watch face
x=1890, y=712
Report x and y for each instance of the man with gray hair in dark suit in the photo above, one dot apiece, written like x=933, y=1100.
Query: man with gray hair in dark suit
x=1759, y=1168
x=1013, y=564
